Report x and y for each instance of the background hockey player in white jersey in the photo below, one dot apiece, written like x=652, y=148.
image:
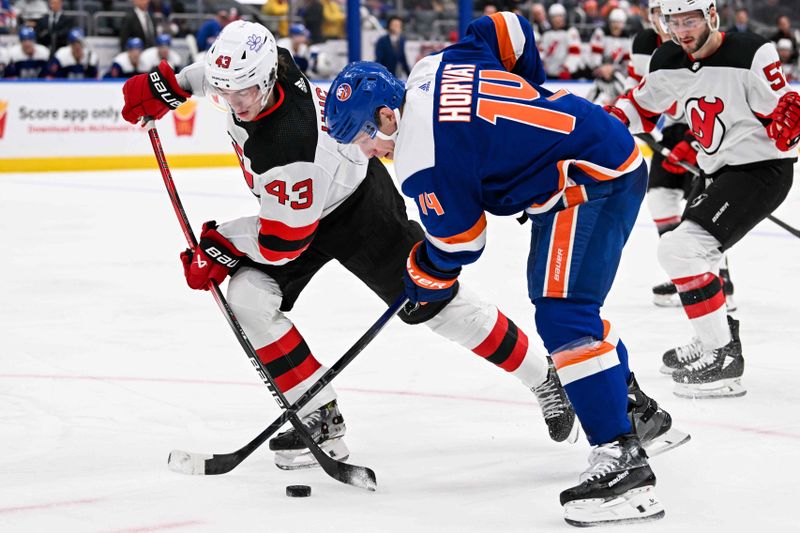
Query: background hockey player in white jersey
x=127, y=63
x=75, y=60
x=27, y=59
x=560, y=46
x=318, y=202
x=152, y=56
x=669, y=183
x=746, y=120
x=788, y=62
x=610, y=46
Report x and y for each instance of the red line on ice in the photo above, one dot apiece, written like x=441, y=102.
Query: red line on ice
x=159, y=527
x=36, y=506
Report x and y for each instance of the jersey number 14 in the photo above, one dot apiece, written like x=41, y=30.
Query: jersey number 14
x=514, y=87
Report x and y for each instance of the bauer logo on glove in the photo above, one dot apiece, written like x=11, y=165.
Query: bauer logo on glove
x=211, y=260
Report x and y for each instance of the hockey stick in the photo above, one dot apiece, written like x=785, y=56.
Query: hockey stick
x=201, y=463
x=663, y=150
x=358, y=476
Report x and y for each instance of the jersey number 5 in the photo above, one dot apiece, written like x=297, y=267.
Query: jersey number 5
x=774, y=75
x=302, y=191
x=490, y=107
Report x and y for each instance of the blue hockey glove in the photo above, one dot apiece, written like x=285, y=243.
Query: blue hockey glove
x=424, y=282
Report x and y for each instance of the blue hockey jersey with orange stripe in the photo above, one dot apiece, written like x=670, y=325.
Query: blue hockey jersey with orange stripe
x=478, y=133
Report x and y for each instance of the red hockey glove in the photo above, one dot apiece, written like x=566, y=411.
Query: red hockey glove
x=785, y=126
x=564, y=74
x=212, y=259
x=614, y=111
x=424, y=282
x=682, y=152
x=152, y=94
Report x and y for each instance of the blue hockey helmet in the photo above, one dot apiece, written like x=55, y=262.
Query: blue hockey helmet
x=357, y=92
x=75, y=35
x=298, y=29
x=26, y=33
x=134, y=43
x=163, y=39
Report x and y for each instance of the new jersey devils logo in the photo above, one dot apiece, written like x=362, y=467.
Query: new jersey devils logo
x=707, y=127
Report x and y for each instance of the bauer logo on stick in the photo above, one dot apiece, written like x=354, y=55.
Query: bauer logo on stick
x=343, y=92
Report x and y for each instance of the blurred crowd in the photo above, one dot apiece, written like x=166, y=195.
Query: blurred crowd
x=588, y=39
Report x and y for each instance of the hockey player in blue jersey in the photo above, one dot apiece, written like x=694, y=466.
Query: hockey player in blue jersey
x=473, y=132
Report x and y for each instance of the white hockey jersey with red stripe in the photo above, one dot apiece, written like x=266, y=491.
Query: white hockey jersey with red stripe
x=295, y=169
x=560, y=50
x=726, y=99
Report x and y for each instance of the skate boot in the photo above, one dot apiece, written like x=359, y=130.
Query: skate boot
x=717, y=374
x=556, y=408
x=326, y=427
x=681, y=356
x=666, y=295
x=651, y=423
x=617, y=488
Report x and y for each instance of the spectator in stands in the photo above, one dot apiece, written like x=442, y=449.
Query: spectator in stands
x=587, y=17
x=279, y=9
x=8, y=21
x=332, y=20
x=489, y=10
x=312, y=18
x=208, y=32
x=52, y=29
x=539, y=18
x=127, y=63
x=785, y=31
x=560, y=47
x=788, y=63
x=297, y=44
x=390, y=49
x=152, y=56
x=74, y=60
x=30, y=11
x=27, y=59
x=741, y=21
x=3, y=61
x=138, y=23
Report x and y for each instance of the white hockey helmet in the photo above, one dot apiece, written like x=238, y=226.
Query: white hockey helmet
x=674, y=7
x=557, y=10
x=617, y=15
x=243, y=55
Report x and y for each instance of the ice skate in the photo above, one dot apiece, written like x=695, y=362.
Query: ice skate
x=556, y=408
x=651, y=423
x=716, y=374
x=617, y=488
x=681, y=356
x=666, y=295
x=326, y=426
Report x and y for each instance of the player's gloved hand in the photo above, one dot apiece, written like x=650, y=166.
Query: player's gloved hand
x=425, y=282
x=212, y=259
x=785, y=126
x=681, y=152
x=152, y=94
x=614, y=111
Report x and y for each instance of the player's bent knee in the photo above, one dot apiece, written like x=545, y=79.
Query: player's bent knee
x=254, y=297
x=423, y=313
x=560, y=321
x=681, y=254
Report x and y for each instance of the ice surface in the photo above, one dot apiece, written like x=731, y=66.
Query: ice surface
x=108, y=361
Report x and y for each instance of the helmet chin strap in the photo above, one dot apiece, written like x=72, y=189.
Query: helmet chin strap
x=393, y=136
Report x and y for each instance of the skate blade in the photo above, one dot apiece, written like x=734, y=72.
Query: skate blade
x=636, y=505
x=575, y=434
x=730, y=304
x=724, y=388
x=666, y=442
x=666, y=300
x=302, y=459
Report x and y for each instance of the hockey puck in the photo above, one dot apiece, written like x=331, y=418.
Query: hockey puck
x=298, y=491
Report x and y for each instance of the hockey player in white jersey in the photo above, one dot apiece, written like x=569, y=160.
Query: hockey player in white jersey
x=611, y=45
x=318, y=201
x=152, y=56
x=669, y=183
x=74, y=61
x=27, y=60
x=746, y=120
x=128, y=63
x=560, y=46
